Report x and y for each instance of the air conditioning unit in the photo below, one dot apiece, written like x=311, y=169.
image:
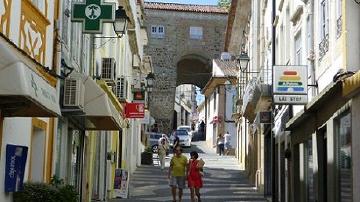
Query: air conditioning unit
x=121, y=88
x=225, y=56
x=74, y=90
x=108, y=69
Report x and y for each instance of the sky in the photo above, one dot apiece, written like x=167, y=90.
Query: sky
x=203, y=2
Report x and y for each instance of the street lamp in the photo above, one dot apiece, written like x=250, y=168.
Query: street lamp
x=243, y=61
x=150, y=81
x=121, y=21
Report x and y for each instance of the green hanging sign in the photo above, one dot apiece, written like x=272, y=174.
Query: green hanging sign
x=92, y=14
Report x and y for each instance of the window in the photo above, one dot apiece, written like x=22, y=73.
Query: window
x=40, y=4
x=157, y=31
x=344, y=160
x=324, y=19
x=196, y=32
x=298, y=55
x=215, y=94
x=338, y=18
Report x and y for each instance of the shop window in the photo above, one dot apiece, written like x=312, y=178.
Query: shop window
x=344, y=159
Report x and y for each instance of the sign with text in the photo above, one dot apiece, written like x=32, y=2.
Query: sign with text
x=290, y=84
x=135, y=110
x=16, y=156
x=290, y=99
x=92, y=14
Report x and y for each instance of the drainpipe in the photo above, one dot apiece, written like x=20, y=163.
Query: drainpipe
x=272, y=145
x=314, y=90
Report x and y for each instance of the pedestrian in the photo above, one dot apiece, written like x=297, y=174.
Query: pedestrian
x=220, y=144
x=176, y=140
x=162, y=150
x=227, y=140
x=177, y=173
x=195, y=182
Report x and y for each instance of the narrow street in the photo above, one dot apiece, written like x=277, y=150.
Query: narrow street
x=223, y=181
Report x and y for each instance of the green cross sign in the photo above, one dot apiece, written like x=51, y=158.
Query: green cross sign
x=92, y=14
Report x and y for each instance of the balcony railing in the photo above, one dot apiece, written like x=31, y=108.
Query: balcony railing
x=338, y=27
x=323, y=47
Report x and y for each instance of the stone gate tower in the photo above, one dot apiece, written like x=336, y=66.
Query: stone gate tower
x=183, y=39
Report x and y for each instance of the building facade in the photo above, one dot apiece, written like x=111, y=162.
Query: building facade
x=304, y=153
x=220, y=97
x=182, y=41
x=66, y=110
x=29, y=90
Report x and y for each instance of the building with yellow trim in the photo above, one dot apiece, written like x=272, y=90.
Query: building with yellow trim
x=29, y=88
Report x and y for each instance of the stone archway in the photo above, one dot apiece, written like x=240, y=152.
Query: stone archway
x=193, y=69
x=190, y=69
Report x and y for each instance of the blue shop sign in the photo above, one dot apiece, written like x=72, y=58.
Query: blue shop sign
x=16, y=156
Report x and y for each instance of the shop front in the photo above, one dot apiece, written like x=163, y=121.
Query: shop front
x=323, y=161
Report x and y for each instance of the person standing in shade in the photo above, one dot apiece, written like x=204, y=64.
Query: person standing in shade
x=220, y=144
x=227, y=144
x=177, y=173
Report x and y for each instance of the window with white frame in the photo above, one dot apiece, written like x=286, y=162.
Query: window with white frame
x=196, y=32
x=157, y=31
x=338, y=18
x=298, y=55
x=324, y=19
x=40, y=4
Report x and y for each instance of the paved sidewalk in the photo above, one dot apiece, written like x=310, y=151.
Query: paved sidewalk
x=223, y=180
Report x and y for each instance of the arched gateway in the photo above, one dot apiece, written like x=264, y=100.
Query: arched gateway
x=183, y=39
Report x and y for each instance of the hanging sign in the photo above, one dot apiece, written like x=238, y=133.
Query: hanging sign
x=290, y=84
x=135, y=110
x=92, y=14
x=16, y=156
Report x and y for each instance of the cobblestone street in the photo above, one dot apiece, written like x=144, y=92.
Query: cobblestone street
x=223, y=181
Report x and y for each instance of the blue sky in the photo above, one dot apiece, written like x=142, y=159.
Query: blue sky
x=203, y=2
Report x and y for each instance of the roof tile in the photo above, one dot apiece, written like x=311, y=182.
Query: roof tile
x=185, y=7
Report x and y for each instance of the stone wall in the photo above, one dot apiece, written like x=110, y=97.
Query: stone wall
x=176, y=46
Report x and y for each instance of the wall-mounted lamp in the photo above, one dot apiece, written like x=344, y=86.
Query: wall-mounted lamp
x=150, y=81
x=121, y=22
x=243, y=61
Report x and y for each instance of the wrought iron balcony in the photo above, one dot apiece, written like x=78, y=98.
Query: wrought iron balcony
x=323, y=47
x=338, y=27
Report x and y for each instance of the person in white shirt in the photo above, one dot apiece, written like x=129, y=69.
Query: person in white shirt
x=227, y=140
x=162, y=150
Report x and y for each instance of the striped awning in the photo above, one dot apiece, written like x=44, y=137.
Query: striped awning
x=351, y=85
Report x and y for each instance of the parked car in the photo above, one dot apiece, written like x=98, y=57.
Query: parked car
x=153, y=140
x=184, y=137
x=188, y=129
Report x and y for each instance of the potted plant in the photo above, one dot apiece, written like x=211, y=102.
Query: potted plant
x=146, y=156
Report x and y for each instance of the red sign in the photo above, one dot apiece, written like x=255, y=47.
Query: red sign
x=135, y=110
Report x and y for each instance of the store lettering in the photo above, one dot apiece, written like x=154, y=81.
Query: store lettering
x=12, y=167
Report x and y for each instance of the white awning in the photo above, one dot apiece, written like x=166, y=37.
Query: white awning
x=100, y=113
x=23, y=93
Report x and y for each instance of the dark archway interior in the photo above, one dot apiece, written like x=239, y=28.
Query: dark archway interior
x=194, y=70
